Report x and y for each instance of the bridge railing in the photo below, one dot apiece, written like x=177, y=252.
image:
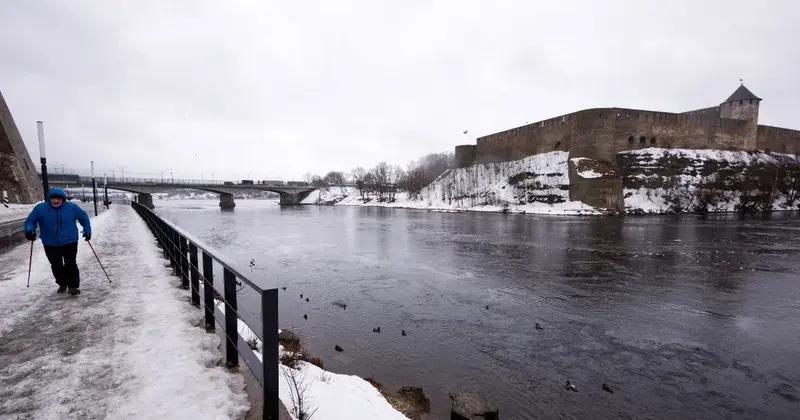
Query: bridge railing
x=81, y=179
x=185, y=253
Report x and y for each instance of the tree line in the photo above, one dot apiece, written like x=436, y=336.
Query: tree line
x=385, y=180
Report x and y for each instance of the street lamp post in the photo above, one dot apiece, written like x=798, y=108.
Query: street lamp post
x=43, y=157
x=105, y=190
x=94, y=190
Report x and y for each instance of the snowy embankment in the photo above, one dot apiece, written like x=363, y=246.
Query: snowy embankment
x=330, y=396
x=14, y=212
x=683, y=180
x=535, y=184
x=129, y=349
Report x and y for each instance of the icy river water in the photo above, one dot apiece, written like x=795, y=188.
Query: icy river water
x=682, y=317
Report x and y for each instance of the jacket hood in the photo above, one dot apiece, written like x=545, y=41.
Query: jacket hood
x=56, y=192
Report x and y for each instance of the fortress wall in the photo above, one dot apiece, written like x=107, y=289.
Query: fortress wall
x=776, y=139
x=602, y=132
x=593, y=134
x=517, y=143
x=713, y=111
x=465, y=155
x=636, y=129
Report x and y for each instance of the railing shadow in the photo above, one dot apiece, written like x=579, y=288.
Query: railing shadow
x=184, y=252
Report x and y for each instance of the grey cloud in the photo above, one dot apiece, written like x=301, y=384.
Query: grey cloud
x=277, y=89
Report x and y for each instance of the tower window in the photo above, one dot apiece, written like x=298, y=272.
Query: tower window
x=741, y=101
x=652, y=140
x=642, y=139
x=630, y=140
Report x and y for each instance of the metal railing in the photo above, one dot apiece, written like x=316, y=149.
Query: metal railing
x=184, y=252
x=82, y=179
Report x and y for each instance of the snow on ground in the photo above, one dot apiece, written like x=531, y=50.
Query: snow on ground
x=14, y=212
x=525, y=186
x=653, y=154
x=688, y=183
x=586, y=173
x=332, y=396
x=127, y=349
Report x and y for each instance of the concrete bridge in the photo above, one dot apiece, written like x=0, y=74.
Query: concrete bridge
x=145, y=187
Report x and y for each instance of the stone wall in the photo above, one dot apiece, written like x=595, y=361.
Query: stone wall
x=465, y=155
x=18, y=174
x=603, y=132
x=712, y=111
x=776, y=139
x=604, y=192
x=532, y=139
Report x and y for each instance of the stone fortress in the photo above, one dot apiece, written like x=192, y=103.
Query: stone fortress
x=601, y=133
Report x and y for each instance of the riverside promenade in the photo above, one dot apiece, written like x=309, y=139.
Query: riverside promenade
x=129, y=349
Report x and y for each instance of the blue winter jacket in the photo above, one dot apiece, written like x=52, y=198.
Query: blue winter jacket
x=57, y=225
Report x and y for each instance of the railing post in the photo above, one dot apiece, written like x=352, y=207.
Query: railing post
x=231, y=319
x=176, y=246
x=208, y=291
x=172, y=252
x=269, y=352
x=195, y=274
x=164, y=238
x=184, y=261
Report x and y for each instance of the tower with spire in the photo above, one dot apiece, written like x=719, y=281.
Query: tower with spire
x=743, y=105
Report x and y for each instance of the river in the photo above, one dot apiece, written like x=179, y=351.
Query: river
x=683, y=317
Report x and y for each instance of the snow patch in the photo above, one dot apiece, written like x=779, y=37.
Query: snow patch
x=585, y=173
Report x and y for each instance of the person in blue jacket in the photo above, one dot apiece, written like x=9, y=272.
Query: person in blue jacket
x=59, y=233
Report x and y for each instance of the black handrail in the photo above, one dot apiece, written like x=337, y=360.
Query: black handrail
x=182, y=250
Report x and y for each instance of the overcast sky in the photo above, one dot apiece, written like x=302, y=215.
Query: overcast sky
x=277, y=89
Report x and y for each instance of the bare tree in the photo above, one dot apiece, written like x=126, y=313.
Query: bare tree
x=359, y=174
x=298, y=392
x=396, y=176
x=317, y=181
x=382, y=173
x=334, y=178
x=368, y=183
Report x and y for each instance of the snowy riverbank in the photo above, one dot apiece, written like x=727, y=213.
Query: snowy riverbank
x=537, y=184
x=658, y=181
x=654, y=181
x=330, y=396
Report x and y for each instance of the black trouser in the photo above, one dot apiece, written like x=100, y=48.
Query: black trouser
x=62, y=261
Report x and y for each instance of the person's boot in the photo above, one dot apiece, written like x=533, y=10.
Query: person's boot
x=74, y=292
x=62, y=288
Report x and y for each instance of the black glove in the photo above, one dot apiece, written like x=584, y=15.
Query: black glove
x=30, y=235
x=88, y=236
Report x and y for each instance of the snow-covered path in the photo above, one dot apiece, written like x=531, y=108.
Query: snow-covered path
x=129, y=349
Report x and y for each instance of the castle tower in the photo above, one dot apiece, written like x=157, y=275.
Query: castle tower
x=18, y=174
x=743, y=105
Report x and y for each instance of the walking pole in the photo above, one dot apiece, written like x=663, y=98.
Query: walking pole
x=30, y=262
x=98, y=261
